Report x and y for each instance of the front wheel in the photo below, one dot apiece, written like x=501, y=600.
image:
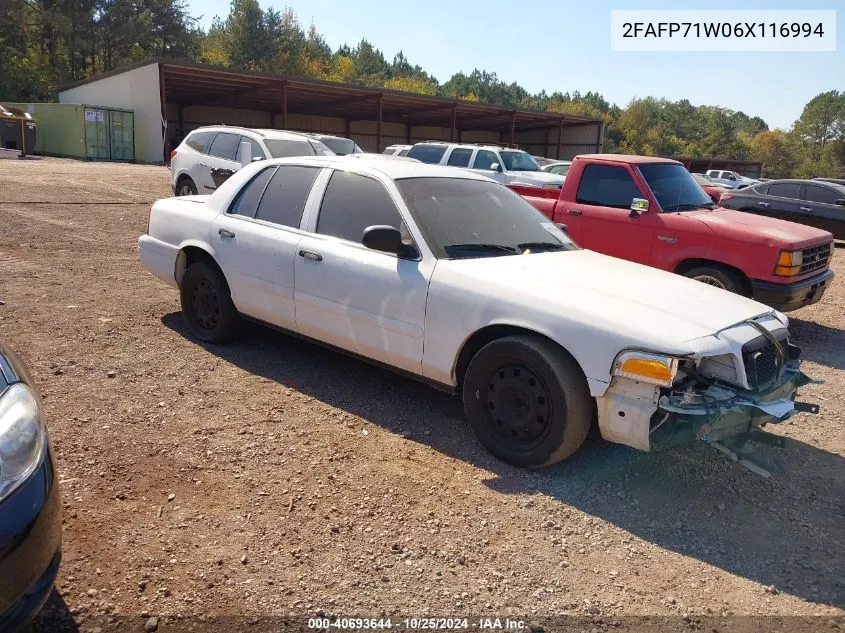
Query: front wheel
x=716, y=277
x=527, y=401
x=207, y=304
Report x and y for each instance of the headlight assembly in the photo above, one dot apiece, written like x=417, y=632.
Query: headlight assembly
x=22, y=437
x=656, y=369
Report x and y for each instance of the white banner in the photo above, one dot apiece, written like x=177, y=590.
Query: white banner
x=723, y=30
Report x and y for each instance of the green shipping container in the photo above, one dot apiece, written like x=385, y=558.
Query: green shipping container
x=83, y=131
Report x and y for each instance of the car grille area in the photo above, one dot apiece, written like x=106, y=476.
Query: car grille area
x=764, y=359
x=816, y=257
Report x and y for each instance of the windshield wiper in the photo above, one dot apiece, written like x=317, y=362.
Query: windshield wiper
x=486, y=248
x=538, y=246
x=688, y=206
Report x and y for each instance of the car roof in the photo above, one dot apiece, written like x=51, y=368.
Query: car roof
x=387, y=165
x=627, y=158
x=491, y=146
x=262, y=132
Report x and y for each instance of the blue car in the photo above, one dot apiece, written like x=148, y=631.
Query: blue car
x=30, y=509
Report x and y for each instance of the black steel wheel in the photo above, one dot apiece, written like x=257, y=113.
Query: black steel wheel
x=519, y=404
x=527, y=401
x=207, y=303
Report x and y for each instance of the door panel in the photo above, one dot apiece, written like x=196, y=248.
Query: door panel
x=600, y=218
x=825, y=214
x=221, y=160
x=364, y=301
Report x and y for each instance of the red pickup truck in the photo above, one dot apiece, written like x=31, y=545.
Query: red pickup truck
x=651, y=211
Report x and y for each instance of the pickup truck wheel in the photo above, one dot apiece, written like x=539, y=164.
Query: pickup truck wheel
x=527, y=401
x=207, y=303
x=717, y=277
x=186, y=187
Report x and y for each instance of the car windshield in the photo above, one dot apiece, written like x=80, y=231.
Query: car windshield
x=342, y=146
x=519, y=161
x=474, y=218
x=674, y=187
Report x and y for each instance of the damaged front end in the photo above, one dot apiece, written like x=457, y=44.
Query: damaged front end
x=747, y=380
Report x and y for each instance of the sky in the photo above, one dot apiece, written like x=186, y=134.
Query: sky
x=565, y=45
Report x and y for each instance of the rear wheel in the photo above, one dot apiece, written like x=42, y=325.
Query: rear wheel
x=527, y=401
x=716, y=277
x=186, y=187
x=207, y=304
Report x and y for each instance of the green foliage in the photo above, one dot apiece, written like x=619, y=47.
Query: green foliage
x=44, y=43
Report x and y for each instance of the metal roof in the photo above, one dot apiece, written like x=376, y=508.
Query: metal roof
x=188, y=83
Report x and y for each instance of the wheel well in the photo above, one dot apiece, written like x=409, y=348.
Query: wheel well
x=488, y=334
x=190, y=255
x=183, y=177
x=688, y=264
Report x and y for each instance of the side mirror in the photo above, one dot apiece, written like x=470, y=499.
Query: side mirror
x=387, y=239
x=245, y=152
x=496, y=167
x=638, y=207
x=840, y=202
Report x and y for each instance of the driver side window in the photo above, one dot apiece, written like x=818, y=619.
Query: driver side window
x=607, y=186
x=352, y=203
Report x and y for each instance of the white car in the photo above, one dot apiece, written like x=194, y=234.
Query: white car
x=210, y=155
x=507, y=166
x=560, y=167
x=397, y=150
x=452, y=278
x=730, y=179
x=340, y=145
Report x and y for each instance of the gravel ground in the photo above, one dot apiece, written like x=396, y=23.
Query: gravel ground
x=271, y=477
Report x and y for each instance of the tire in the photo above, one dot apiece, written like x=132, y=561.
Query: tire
x=186, y=187
x=527, y=401
x=207, y=304
x=717, y=277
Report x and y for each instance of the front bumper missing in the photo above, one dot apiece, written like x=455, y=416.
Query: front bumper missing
x=717, y=412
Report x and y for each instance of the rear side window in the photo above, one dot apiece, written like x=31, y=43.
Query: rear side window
x=484, y=159
x=607, y=186
x=822, y=195
x=352, y=203
x=199, y=141
x=285, y=196
x=225, y=146
x=427, y=153
x=246, y=202
x=403, y=152
x=785, y=190
x=459, y=157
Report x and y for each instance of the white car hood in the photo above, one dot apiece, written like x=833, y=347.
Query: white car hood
x=641, y=305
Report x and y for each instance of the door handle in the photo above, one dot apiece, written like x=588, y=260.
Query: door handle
x=765, y=204
x=203, y=164
x=575, y=212
x=314, y=257
x=225, y=233
x=807, y=209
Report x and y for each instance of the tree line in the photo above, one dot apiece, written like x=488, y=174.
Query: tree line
x=46, y=43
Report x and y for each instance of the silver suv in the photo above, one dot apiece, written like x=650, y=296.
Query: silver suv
x=508, y=166
x=209, y=155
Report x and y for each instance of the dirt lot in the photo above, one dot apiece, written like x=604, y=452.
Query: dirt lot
x=271, y=477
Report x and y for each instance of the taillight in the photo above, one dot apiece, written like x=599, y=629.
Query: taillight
x=725, y=197
x=172, y=154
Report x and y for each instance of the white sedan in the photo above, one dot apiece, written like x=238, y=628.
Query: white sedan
x=454, y=279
